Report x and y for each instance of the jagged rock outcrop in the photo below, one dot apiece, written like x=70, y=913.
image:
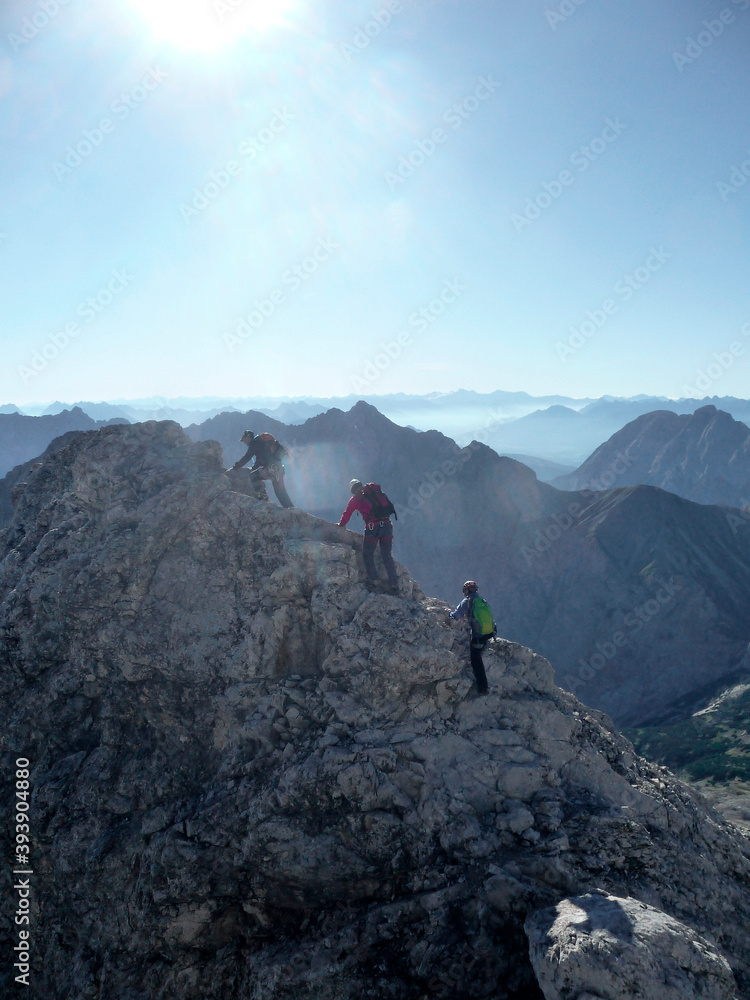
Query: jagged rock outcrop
x=253, y=778
x=601, y=947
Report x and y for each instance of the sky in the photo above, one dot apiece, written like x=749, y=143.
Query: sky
x=302, y=198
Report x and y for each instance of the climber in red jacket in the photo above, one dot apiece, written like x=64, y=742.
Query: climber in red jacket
x=376, y=510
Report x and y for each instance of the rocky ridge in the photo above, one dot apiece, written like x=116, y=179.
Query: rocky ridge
x=253, y=778
x=641, y=598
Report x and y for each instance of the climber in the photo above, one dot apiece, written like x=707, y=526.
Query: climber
x=269, y=454
x=482, y=628
x=376, y=510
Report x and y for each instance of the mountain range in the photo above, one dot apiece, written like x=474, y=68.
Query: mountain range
x=251, y=777
x=556, y=429
x=569, y=435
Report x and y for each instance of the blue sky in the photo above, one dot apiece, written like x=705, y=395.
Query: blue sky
x=304, y=198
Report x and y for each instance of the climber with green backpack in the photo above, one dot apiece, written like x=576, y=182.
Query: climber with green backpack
x=482, y=628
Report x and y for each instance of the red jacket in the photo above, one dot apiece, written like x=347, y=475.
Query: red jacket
x=363, y=505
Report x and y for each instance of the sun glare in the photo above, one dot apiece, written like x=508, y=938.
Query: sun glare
x=204, y=25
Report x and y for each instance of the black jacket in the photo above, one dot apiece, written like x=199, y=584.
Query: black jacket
x=265, y=452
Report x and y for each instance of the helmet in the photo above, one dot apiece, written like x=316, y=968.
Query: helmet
x=355, y=486
x=247, y=437
x=470, y=586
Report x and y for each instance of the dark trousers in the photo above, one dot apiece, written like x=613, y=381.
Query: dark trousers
x=281, y=494
x=381, y=533
x=478, y=642
x=277, y=481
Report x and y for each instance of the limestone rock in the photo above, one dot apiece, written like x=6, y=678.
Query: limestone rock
x=603, y=946
x=253, y=778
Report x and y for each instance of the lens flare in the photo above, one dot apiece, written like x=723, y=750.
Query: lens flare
x=206, y=25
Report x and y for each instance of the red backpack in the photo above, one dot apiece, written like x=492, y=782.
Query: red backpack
x=381, y=507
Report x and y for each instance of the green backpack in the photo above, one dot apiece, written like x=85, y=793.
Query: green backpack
x=481, y=613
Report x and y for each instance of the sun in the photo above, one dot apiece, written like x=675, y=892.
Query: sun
x=205, y=25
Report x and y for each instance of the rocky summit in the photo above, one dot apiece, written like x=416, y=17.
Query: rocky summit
x=254, y=779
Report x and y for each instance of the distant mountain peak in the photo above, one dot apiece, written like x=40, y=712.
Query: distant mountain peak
x=709, y=410
x=702, y=456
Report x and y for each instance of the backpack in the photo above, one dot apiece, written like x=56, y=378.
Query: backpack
x=276, y=449
x=481, y=613
x=380, y=506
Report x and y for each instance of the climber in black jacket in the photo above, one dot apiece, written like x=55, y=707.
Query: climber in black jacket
x=268, y=454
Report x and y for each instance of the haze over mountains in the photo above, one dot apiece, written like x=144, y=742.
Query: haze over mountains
x=467, y=409
x=552, y=428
